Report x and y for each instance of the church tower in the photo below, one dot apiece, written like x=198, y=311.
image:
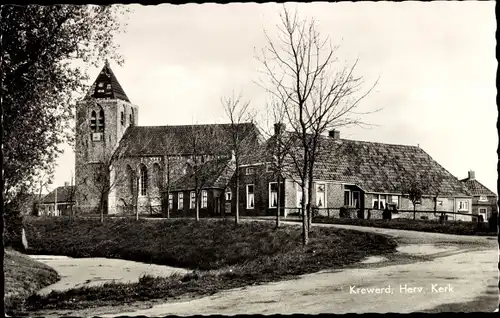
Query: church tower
x=102, y=118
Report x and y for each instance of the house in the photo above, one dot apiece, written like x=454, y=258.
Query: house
x=484, y=201
x=128, y=167
x=211, y=180
x=360, y=174
x=60, y=201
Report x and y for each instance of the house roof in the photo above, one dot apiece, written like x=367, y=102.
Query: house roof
x=106, y=85
x=382, y=168
x=214, y=174
x=64, y=194
x=477, y=188
x=178, y=140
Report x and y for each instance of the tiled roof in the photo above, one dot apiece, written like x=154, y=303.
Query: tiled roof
x=378, y=167
x=214, y=174
x=175, y=140
x=477, y=188
x=107, y=77
x=64, y=194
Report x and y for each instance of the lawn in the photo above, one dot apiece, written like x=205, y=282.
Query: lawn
x=23, y=277
x=449, y=227
x=221, y=255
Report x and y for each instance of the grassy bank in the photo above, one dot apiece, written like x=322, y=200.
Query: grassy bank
x=449, y=227
x=222, y=255
x=23, y=277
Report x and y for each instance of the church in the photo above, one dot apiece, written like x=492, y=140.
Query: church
x=123, y=168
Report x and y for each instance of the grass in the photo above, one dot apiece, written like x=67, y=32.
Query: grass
x=23, y=277
x=221, y=255
x=449, y=227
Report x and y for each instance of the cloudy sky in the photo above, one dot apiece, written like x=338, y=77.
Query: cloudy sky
x=436, y=63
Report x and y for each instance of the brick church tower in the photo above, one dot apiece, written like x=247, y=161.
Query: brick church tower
x=102, y=118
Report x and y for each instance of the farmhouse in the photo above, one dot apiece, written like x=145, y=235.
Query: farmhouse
x=359, y=174
x=484, y=201
x=58, y=202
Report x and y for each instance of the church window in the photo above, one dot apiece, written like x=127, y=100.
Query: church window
x=144, y=180
x=93, y=121
x=131, y=119
x=130, y=175
x=123, y=117
x=100, y=124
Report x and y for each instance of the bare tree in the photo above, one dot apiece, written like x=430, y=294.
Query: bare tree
x=205, y=162
x=71, y=196
x=242, y=142
x=169, y=149
x=299, y=67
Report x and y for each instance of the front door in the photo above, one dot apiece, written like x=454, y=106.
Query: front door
x=482, y=212
x=217, y=206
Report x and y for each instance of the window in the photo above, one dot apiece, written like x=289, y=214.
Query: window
x=170, y=201
x=204, y=199
x=123, y=117
x=192, y=201
x=483, y=198
x=93, y=121
x=249, y=171
x=144, y=180
x=100, y=123
x=347, y=197
x=131, y=117
x=250, y=196
x=130, y=174
x=355, y=199
x=320, y=195
x=180, y=201
x=393, y=201
x=228, y=195
x=269, y=168
x=378, y=203
x=273, y=194
x=299, y=196
x=463, y=205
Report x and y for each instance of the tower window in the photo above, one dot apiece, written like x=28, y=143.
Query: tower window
x=100, y=124
x=93, y=121
x=123, y=117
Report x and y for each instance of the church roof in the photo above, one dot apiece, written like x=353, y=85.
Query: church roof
x=177, y=140
x=106, y=85
x=214, y=174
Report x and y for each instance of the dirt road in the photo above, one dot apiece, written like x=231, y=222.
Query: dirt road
x=457, y=269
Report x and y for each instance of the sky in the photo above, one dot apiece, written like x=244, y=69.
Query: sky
x=435, y=62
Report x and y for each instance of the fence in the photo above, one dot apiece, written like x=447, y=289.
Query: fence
x=400, y=214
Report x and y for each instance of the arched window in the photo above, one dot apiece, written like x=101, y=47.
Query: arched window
x=144, y=180
x=93, y=121
x=131, y=118
x=100, y=123
x=123, y=116
x=157, y=175
x=130, y=176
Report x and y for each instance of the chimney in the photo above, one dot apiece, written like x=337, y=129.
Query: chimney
x=279, y=128
x=66, y=183
x=335, y=134
x=472, y=175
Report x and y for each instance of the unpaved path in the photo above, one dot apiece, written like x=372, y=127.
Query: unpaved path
x=79, y=272
x=457, y=269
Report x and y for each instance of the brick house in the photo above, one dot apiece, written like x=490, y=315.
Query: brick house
x=484, y=201
x=59, y=202
x=359, y=174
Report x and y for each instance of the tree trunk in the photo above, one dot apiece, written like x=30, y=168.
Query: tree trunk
x=279, y=203
x=237, y=210
x=309, y=212
x=305, y=230
x=102, y=208
x=414, y=211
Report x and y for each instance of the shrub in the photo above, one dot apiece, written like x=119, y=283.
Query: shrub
x=493, y=222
